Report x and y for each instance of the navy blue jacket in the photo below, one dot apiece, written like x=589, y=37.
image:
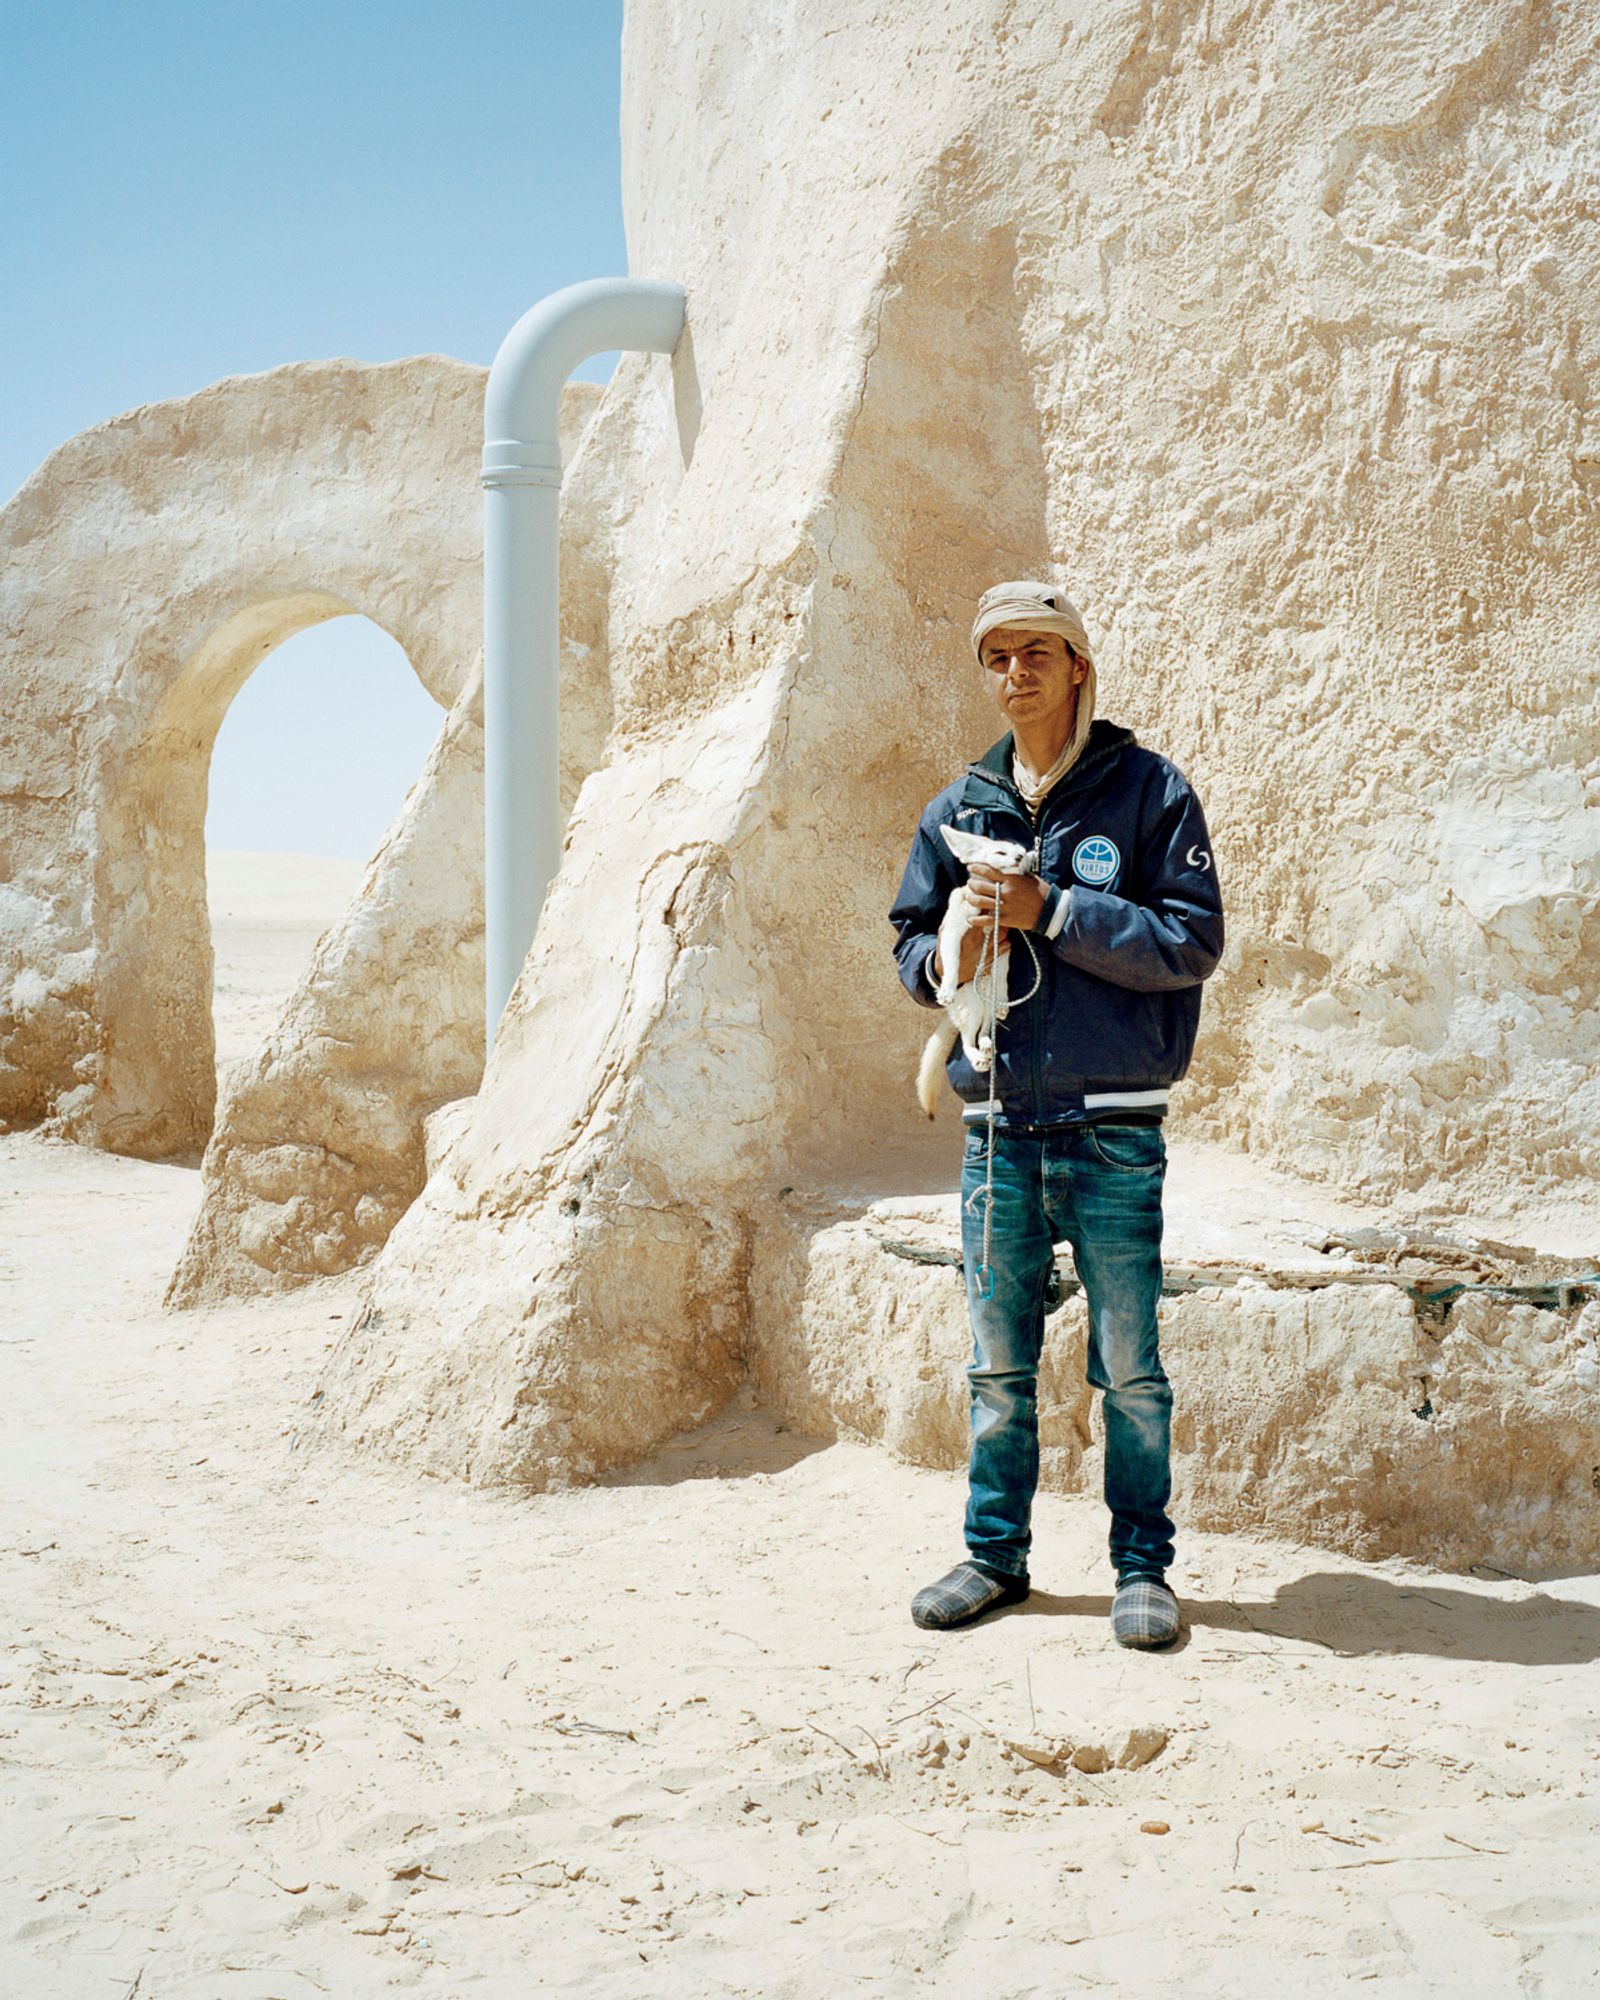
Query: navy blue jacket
x=1132, y=924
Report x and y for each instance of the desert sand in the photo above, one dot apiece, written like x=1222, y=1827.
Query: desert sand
x=267, y=912
x=276, y=1726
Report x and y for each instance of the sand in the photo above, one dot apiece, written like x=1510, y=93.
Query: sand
x=281, y=1725
x=267, y=913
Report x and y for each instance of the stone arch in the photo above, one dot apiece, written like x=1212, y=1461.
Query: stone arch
x=150, y=564
x=152, y=928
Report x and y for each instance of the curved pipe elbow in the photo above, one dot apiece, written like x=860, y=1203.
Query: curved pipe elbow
x=522, y=402
x=521, y=581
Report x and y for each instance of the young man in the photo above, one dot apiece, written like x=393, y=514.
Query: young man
x=1120, y=918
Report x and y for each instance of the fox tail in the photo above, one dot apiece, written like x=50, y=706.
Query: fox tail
x=931, y=1068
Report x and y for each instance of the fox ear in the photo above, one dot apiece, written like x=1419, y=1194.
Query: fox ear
x=963, y=845
x=1005, y=855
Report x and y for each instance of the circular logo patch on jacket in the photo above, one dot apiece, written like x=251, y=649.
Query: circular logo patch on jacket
x=1096, y=859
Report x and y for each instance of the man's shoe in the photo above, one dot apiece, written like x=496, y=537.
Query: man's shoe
x=966, y=1593
x=1144, y=1611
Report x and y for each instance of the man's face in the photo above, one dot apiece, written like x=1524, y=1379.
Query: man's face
x=1032, y=675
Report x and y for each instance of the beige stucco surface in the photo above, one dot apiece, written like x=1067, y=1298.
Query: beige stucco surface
x=1312, y=1400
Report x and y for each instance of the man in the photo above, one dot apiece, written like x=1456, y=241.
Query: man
x=1122, y=913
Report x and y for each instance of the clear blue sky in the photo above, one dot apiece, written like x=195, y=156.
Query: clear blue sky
x=198, y=188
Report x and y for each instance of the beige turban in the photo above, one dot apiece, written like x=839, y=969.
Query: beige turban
x=1039, y=607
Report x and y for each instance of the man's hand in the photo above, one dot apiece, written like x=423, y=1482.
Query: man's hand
x=1021, y=897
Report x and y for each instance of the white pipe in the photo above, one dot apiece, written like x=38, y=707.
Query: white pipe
x=521, y=593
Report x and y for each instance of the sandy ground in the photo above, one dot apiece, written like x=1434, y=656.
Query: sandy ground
x=279, y=1725
x=267, y=912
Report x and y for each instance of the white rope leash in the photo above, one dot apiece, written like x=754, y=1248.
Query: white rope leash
x=991, y=947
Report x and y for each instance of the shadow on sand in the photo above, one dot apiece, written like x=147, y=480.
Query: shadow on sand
x=1354, y=1615
x=741, y=1439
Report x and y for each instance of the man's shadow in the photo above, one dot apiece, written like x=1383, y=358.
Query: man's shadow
x=1353, y=1616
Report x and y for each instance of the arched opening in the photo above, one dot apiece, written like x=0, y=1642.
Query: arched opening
x=151, y=892
x=315, y=754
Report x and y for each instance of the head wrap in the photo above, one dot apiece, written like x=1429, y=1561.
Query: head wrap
x=1037, y=607
x=1041, y=607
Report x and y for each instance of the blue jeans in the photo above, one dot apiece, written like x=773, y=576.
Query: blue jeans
x=1097, y=1187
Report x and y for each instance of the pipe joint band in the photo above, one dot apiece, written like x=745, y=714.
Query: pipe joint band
x=514, y=462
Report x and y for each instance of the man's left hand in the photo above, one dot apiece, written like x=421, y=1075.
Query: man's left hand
x=1021, y=897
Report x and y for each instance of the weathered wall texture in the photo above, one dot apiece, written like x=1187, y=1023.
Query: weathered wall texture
x=1270, y=325
x=1335, y=1415
x=148, y=567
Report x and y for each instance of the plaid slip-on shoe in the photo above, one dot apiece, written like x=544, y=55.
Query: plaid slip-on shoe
x=1144, y=1612
x=966, y=1593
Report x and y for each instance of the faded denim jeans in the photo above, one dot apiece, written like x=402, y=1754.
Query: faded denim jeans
x=1097, y=1187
